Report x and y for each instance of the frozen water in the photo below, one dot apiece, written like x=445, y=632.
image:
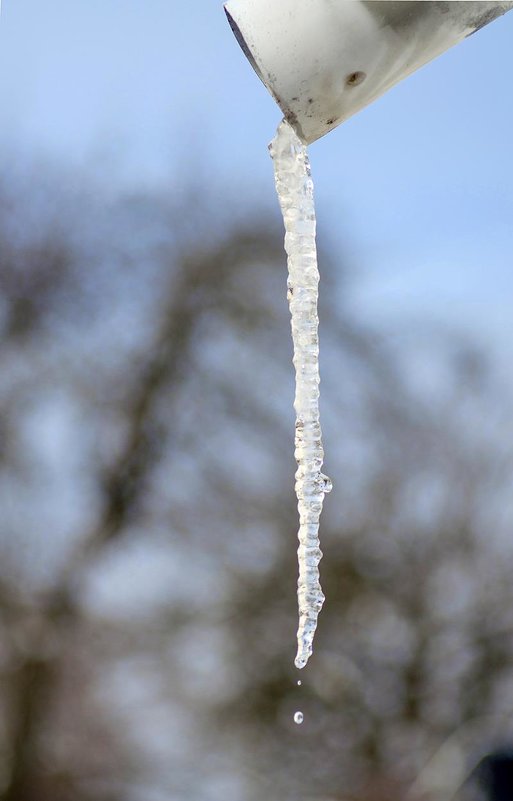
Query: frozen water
x=299, y=718
x=295, y=191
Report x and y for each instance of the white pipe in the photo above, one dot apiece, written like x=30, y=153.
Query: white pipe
x=324, y=60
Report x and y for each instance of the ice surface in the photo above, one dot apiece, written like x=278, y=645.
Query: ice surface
x=295, y=191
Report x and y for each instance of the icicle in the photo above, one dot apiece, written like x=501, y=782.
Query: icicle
x=295, y=191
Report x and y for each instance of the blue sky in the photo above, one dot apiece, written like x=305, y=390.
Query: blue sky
x=417, y=189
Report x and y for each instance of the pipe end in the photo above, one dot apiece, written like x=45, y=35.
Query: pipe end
x=242, y=43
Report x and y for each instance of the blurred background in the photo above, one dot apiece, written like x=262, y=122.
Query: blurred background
x=147, y=513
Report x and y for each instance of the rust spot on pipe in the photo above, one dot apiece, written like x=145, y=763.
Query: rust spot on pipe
x=355, y=78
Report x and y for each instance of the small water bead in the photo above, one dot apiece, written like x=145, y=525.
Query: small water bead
x=324, y=483
x=299, y=682
x=299, y=718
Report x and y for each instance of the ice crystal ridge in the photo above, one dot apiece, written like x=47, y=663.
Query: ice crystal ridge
x=295, y=191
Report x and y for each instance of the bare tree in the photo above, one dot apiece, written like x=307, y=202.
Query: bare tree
x=147, y=582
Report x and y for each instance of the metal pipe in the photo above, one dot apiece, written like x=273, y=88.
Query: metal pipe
x=324, y=60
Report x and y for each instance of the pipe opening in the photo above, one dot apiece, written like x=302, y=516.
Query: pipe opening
x=242, y=43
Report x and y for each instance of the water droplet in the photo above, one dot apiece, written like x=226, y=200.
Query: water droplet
x=299, y=682
x=298, y=718
x=327, y=484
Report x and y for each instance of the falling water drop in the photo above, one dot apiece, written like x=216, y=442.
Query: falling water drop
x=299, y=682
x=295, y=191
x=298, y=718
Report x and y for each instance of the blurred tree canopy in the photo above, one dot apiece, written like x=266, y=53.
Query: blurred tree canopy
x=148, y=526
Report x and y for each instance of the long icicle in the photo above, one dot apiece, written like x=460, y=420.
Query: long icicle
x=295, y=191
